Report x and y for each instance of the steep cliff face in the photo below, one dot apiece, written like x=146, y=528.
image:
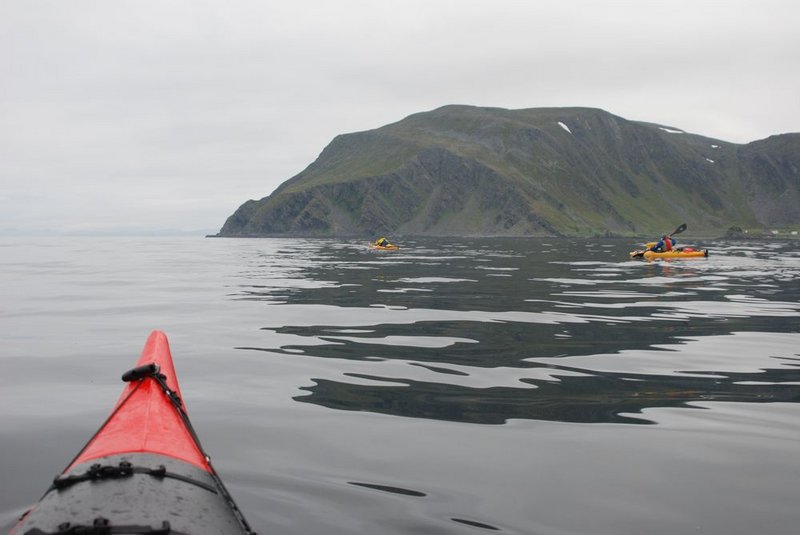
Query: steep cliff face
x=771, y=179
x=463, y=170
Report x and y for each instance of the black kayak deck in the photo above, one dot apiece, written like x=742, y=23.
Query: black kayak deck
x=133, y=493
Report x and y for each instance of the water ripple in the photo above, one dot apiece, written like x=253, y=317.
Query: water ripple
x=437, y=334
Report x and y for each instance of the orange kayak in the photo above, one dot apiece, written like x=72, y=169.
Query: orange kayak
x=685, y=252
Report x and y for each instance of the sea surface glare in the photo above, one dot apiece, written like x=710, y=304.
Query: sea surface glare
x=456, y=386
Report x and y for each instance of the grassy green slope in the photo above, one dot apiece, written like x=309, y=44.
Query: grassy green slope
x=470, y=170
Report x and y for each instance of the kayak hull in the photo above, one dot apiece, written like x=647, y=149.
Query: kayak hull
x=672, y=255
x=132, y=493
x=144, y=471
x=384, y=247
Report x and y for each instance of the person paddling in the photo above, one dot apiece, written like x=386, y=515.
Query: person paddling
x=666, y=243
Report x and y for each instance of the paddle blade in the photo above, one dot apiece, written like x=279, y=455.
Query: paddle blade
x=678, y=230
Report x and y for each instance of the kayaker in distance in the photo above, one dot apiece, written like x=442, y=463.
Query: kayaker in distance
x=665, y=248
x=382, y=244
x=666, y=243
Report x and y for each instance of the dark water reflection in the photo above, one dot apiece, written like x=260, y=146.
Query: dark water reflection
x=353, y=400
x=485, y=331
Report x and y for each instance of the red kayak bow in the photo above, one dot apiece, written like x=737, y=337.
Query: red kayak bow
x=146, y=418
x=144, y=471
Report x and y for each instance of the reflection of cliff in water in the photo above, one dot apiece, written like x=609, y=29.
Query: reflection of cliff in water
x=610, y=398
x=510, y=343
x=571, y=393
x=480, y=317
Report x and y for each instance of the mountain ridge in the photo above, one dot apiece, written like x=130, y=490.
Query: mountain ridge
x=466, y=170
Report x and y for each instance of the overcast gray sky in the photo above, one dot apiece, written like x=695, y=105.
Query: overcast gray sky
x=160, y=115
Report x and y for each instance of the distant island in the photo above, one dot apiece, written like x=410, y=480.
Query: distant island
x=473, y=171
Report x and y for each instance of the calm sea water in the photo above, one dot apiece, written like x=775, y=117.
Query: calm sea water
x=455, y=386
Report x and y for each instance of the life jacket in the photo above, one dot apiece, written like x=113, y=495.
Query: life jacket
x=667, y=244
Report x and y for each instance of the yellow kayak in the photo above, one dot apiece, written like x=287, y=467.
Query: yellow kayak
x=684, y=252
x=383, y=247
